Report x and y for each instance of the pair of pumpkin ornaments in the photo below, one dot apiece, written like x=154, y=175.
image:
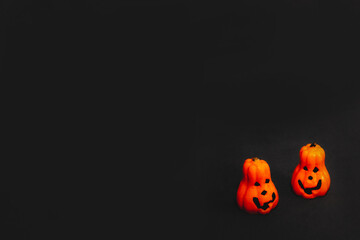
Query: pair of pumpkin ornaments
x=257, y=192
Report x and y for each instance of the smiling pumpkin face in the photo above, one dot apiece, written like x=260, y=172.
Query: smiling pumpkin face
x=257, y=192
x=310, y=178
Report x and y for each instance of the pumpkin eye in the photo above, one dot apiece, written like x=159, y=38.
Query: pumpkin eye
x=257, y=184
x=305, y=168
x=267, y=180
x=315, y=169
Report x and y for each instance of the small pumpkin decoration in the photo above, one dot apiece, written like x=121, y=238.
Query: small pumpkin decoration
x=310, y=178
x=257, y=192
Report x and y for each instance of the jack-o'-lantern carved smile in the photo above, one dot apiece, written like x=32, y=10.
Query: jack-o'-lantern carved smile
x=309, y=190
x=266, y=204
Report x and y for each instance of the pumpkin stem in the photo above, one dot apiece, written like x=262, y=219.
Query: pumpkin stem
x=313, y=144
x=255, y=158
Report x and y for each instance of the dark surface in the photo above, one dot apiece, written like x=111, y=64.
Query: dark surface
x=230, y=81
x=274, y=77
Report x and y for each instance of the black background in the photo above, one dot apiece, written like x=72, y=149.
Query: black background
x=225, y=81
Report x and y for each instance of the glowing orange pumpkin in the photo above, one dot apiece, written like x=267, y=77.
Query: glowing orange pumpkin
x=310, y=178
x=257, y=192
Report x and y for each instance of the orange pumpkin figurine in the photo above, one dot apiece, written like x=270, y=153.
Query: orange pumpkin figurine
x=311, y=178
x=257, y=192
